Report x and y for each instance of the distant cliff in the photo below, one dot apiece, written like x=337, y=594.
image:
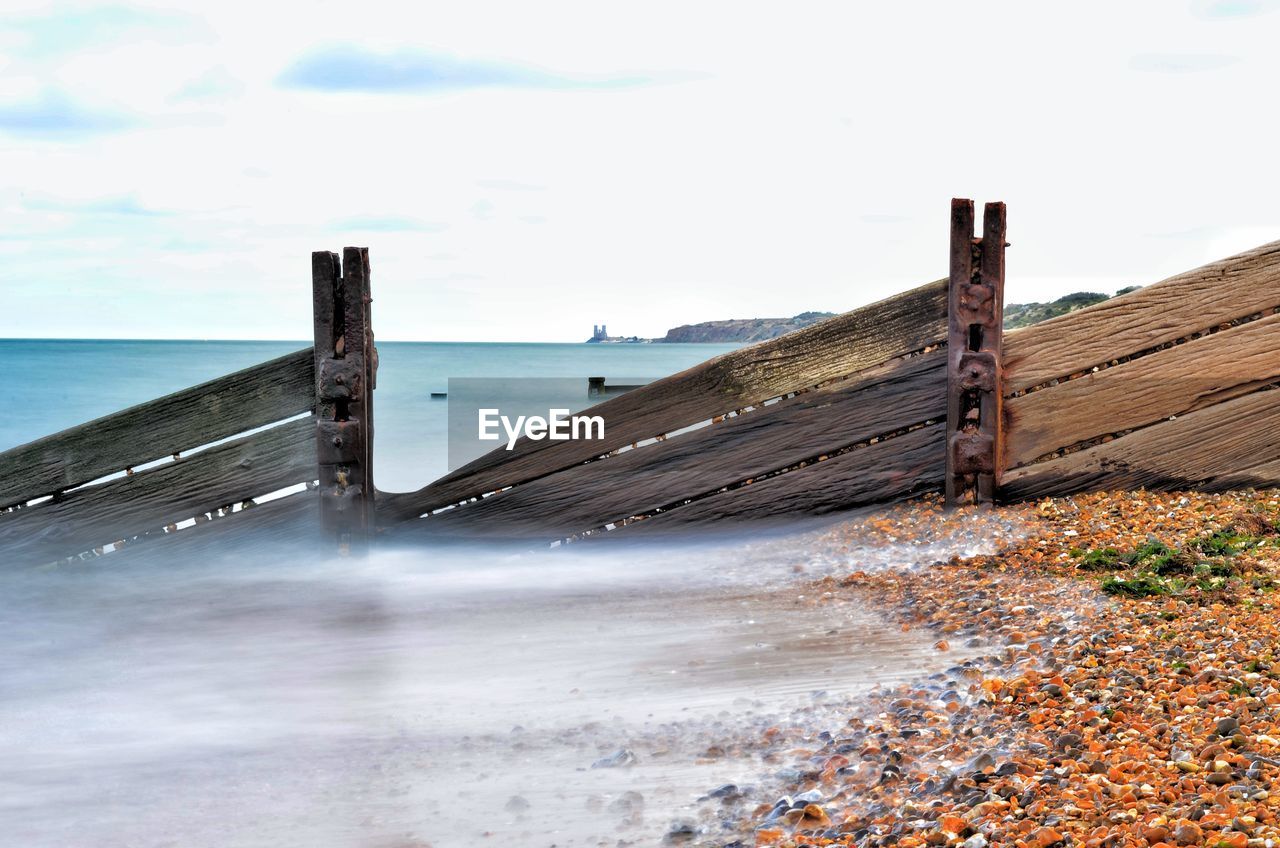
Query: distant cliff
x=747, y=330
x=742, y=329
x=1025, y=314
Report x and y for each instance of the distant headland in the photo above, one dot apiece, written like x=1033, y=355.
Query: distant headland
x=732, y=330
x=749, y=330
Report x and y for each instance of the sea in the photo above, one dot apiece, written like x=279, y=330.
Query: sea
x=583, y=696
x=61, y=383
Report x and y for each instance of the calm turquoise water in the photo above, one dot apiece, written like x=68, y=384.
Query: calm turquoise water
x=61, y=383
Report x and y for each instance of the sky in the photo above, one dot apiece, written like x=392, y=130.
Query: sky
x=521, y=171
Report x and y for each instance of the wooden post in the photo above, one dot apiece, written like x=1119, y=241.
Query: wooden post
x=975, y=386
x=346, y=375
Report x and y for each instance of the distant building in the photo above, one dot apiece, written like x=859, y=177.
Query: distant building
x=600, y=335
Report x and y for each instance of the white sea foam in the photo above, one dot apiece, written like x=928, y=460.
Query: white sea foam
x=408, y=699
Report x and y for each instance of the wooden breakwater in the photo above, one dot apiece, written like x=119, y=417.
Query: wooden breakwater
x=1171, y=386
x=275, y=454
x=127, y=477
x=1168, y=387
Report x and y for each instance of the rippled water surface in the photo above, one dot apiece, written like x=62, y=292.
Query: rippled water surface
x=418, y=698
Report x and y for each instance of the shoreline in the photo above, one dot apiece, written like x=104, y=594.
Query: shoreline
x=1084, y=717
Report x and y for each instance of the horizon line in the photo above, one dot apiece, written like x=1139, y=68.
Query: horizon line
x=300, y=341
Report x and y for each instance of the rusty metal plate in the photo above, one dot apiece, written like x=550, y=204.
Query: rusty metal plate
x=975, y=303
x=339, y=442
x=972, y=453
x=340, y=379
x=978, y=370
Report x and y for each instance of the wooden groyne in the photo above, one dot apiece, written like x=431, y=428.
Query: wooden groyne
x=1171, y=386
x=126, y=477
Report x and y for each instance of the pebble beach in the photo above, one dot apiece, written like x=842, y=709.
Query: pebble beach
x=1116, y=684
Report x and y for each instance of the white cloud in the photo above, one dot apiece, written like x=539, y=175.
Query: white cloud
x=809, y=166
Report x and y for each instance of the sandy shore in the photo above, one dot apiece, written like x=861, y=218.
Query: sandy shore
x=1121, y=688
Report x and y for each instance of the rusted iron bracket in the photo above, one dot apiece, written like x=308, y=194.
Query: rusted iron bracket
x=346, y=374
x=975, y=385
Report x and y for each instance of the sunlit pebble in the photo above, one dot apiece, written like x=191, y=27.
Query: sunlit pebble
x=1070, y=825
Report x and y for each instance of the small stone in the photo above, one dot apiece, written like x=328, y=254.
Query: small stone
x=1067, y=741
x=516, y=804
x=680, y=832
x=1188, y=833
x=975, y=841
x=1043, y=837
x=1227, y=726
x=727, y=790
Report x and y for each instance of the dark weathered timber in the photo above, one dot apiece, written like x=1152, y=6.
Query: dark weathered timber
x=327, y=314
x=835, y=348
x=358, y=330
x=991, y=253
x=882, y=400
x=893, y=470
x=287, y=527
x=1174, y=381
x=1224, y=446
x=975, y=325
x=1219, y=292
x=220, y=476
x=346, y=362
x=250, y=398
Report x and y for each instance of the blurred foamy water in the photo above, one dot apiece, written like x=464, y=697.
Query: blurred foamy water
x=419, y=697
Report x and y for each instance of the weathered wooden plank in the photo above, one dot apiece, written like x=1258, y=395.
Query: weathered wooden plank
x=285, y=527
x=886, y=472
x=838, y=347
x=1191, y=302
x=250, y=398
x=1265, y=475
x=883, y=400
x=1174, y=381
x=118, y=509
x=1213, y=448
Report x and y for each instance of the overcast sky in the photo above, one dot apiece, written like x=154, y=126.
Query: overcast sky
x=521, y=171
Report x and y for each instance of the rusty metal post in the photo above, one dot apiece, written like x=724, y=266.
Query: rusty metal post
x=975, y=385
x=346, y=374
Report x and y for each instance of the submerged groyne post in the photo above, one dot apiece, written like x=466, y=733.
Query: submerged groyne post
x=975, y=309
x=346, y=374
